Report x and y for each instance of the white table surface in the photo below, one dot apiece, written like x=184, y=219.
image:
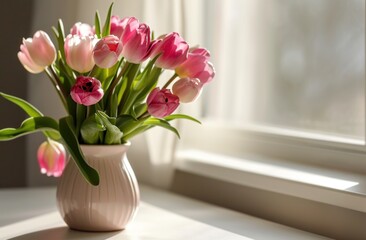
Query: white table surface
x=31, y=214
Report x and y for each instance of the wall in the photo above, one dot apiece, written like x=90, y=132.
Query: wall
x=13, y=80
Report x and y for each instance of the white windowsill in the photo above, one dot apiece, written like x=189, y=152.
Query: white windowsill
x=31, y=214
x=330, y=187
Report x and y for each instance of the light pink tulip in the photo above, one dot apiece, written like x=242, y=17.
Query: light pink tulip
x=87, y=91
x=197, y=66
x=79, y=52
x=51, y=158
x=161, y=103
x=173, y=50
x=187, y=89
x=82, y=29
x=107, y=51
x=37, y=53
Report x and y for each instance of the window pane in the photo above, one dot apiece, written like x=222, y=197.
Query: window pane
x=296, y=64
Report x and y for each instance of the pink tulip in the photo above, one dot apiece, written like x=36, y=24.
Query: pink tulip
x=87, y=91
x=161, y=103
x=107, y=51
x=187, y=89
x=118, y=25
x=51, y=158
x=37, y=53
x=200, y=51
x=173, y=50
x=197, y=66
x=136, y=43
x=82, y=29
x=79, y=52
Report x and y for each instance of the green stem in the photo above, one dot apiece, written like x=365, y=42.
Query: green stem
x=170, y=81
x=116, y=79
x=93, y=71
x=144, y=115
x=57, y=86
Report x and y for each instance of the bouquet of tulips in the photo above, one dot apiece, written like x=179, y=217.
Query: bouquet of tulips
x=108, y=81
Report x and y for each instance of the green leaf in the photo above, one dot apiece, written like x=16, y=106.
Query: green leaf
x=31, y=125
x=181, y=116
x=80, y=116
x=113, y=133
x=107, y=24
x=30, y=110
x=135, y=132
x=139, y=109
x=26, y=106
x=127, y=123
x=61, y=37
x=97, y=24
x=161, y=123
x=90, y=130
x=72, y=145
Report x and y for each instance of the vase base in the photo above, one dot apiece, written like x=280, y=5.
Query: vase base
x=96, y=230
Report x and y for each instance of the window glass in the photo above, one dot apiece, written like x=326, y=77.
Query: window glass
x=295, y=64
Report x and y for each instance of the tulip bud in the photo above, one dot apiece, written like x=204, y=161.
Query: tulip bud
x=79, y=52
x=173, y=51
x=82, y=29
x=51, y=158
x=37, y=53
x=87, y=91
x=187, y=89
x=161, y=103
x=107, y=51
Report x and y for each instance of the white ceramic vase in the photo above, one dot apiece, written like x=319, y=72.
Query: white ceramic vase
x=111, y=205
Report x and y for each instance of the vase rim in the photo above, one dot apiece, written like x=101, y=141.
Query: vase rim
x=104, y=149
x=127, y=144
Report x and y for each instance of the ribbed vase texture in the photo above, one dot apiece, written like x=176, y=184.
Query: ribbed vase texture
x=109, y=206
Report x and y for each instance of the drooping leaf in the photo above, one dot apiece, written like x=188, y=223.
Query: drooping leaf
x=31, y=125
x=181, y=116
x=72, y=145
x=161, y=123
x=26, y=106
x=30, y=110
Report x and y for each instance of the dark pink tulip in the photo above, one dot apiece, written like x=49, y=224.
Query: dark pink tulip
x=107, y=51
x=51, y=158
x=37, y=53
x=161, y=103
x=82, y=29
x=197, y=66
x=118, y=25
x=187, y=89
x=173, y=50
x=136, y=44
x=87, y=91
